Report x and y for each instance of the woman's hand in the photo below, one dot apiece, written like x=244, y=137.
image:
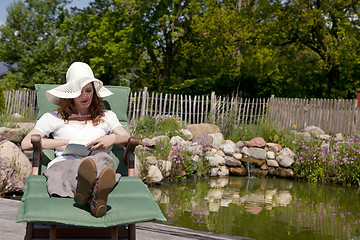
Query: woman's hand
x=102, y=143
x=119, y=137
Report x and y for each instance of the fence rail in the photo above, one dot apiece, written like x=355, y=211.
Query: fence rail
x=331, y=115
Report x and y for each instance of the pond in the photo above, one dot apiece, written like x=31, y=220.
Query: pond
x=265, y=208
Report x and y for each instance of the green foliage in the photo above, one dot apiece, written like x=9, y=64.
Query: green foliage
x=338, y=163
x=29, y=41
x=149, y=126
x=189, y=47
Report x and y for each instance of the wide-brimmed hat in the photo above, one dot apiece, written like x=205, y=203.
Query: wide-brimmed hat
x=77, y=76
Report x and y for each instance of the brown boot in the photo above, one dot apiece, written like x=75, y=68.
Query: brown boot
x=85, y=181
x=102, y=188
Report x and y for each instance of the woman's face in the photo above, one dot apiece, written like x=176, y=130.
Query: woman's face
x=83, y=102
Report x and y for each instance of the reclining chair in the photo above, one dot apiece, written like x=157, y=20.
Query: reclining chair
x=130, y=201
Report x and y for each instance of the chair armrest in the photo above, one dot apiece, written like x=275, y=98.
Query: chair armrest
x=129, y=156
x=37, y=153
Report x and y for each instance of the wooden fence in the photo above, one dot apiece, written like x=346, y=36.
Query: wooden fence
x=331, y=115
x=22, y=102
x=197, y=109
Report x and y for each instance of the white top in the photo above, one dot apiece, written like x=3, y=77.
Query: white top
x=53, y=123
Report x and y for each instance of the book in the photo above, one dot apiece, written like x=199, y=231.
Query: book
x=77, y=147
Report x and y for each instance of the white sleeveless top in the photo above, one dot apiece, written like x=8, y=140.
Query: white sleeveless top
x=52, y=123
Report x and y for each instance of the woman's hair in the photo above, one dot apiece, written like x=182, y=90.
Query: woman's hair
x=96, y=109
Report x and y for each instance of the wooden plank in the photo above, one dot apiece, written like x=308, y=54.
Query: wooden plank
x=181, y=110
x=152, y=104
x=138, y=106
x=160, y=106
x=165, y=103
x=202, y=109
x=186, y=110
x=174, y=105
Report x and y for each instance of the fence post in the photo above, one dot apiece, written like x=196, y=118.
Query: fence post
x=143, y=103
x=212, y=107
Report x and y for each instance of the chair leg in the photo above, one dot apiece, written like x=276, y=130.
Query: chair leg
x=115, y=233
x=132, y=231
x=52, y=232
x=29, y=231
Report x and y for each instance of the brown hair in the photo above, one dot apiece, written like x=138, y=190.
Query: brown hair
x=96, y=109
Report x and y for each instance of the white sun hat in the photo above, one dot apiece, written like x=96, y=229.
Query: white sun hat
x=78, y=75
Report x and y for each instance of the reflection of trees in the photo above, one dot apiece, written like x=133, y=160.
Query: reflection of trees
x=261, y=208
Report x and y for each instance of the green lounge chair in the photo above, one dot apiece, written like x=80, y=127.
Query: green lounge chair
x=130, y=202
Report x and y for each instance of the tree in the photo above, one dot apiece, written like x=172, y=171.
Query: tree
x=29, y=40
x=329, y=32
x=160, y=28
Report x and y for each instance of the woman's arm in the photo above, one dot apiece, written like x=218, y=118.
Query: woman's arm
x=119, y=137
x=46, y=142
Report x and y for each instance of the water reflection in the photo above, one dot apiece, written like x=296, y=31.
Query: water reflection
x=262, y=208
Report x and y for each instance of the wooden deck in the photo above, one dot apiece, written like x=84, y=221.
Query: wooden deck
x=9, y=229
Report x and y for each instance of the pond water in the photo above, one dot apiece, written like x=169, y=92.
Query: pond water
x=262, y=208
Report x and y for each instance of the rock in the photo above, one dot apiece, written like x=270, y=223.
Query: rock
x=223, y=171
x=177, y=140
x=228, y=148
x=13, y=153
x=272, y=171
x=218, y=139
x=264, y=167
x=314, y=130
x=165, y=167
x=258, y=153
x=214, y=172
x=216, y=160
x=287, y=151
x=154, y=174
x=284, y=172
x=151, y=160
x=303, y=135
x=240, y=144
x=157, y=139
x=339, y=137
x=195, y=149
x=258, y=162
x=145, y=142
x=270, y=155
x=211, y=153
x=15, y=135
x=9, y=178
x=284, y=160
x=272, y=163
x=238, y=171
x=205, y=140
x=17, y=115
x=232, y=162
x=237, y=156
x=325, y=137
x=220, y=152
x=274, y=147
x=187, y=134
x=203, y=128
x=257, y=142
x=245, y=151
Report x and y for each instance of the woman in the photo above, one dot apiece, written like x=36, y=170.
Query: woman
x=80, y=117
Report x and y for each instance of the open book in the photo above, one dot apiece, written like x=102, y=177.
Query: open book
x=77, y=147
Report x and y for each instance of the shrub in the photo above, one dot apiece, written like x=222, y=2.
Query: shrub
x=339, y=163
x=149, y=126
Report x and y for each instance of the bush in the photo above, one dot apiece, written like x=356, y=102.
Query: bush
x=338, y=163
x=149, y=126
